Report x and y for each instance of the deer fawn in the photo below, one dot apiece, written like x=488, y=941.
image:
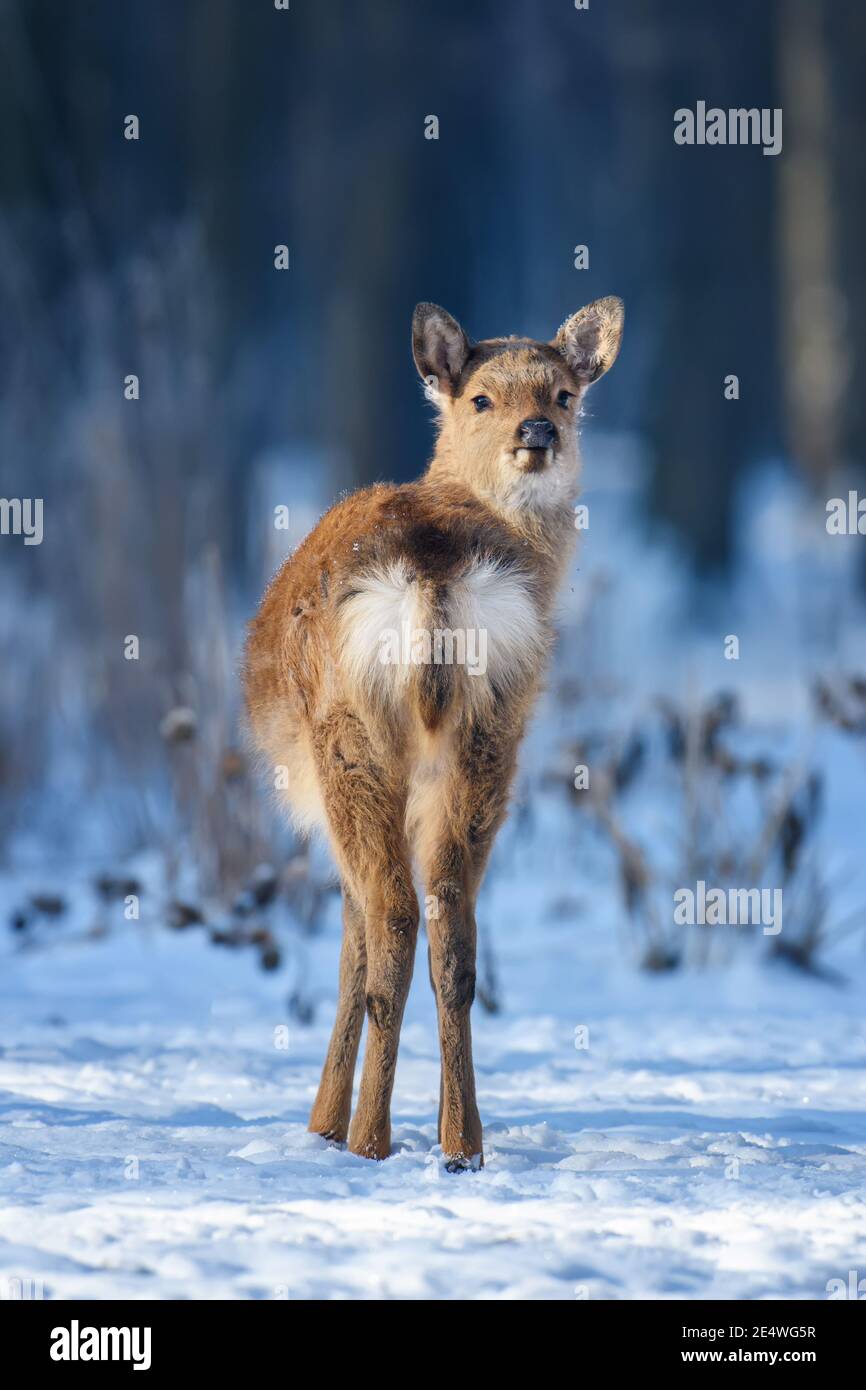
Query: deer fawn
x=401, y=750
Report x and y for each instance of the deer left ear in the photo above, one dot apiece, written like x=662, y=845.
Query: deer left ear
x=589, y=341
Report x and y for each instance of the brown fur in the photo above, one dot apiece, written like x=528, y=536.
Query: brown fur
x=415, y=770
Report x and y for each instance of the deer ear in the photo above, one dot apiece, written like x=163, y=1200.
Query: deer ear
x=439, y=345
x=589, y=341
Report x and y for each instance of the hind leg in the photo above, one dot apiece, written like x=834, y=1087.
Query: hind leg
x=452, y=969
x=454, y=850
x=365, y=802
x=330, y=1114
x=392, y=929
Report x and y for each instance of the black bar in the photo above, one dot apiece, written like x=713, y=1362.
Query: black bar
x=235, y=1338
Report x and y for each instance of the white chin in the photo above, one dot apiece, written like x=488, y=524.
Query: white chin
x=523, y=457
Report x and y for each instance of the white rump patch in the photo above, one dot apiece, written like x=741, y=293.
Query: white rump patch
x=495, y=600
x=488, y=629
x=386, y=601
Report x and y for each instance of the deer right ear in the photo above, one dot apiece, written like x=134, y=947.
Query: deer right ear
x=439, y=346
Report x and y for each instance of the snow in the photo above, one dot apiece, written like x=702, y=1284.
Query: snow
x=154, y=1142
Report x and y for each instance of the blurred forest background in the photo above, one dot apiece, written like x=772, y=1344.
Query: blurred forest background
x=307, y=127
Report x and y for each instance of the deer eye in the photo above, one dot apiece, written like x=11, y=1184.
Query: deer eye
x=482, y=403
x=563, y=398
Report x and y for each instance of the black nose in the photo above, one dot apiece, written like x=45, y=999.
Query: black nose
x=537, y=434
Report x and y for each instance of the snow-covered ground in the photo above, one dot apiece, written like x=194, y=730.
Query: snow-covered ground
x=709, y=1140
